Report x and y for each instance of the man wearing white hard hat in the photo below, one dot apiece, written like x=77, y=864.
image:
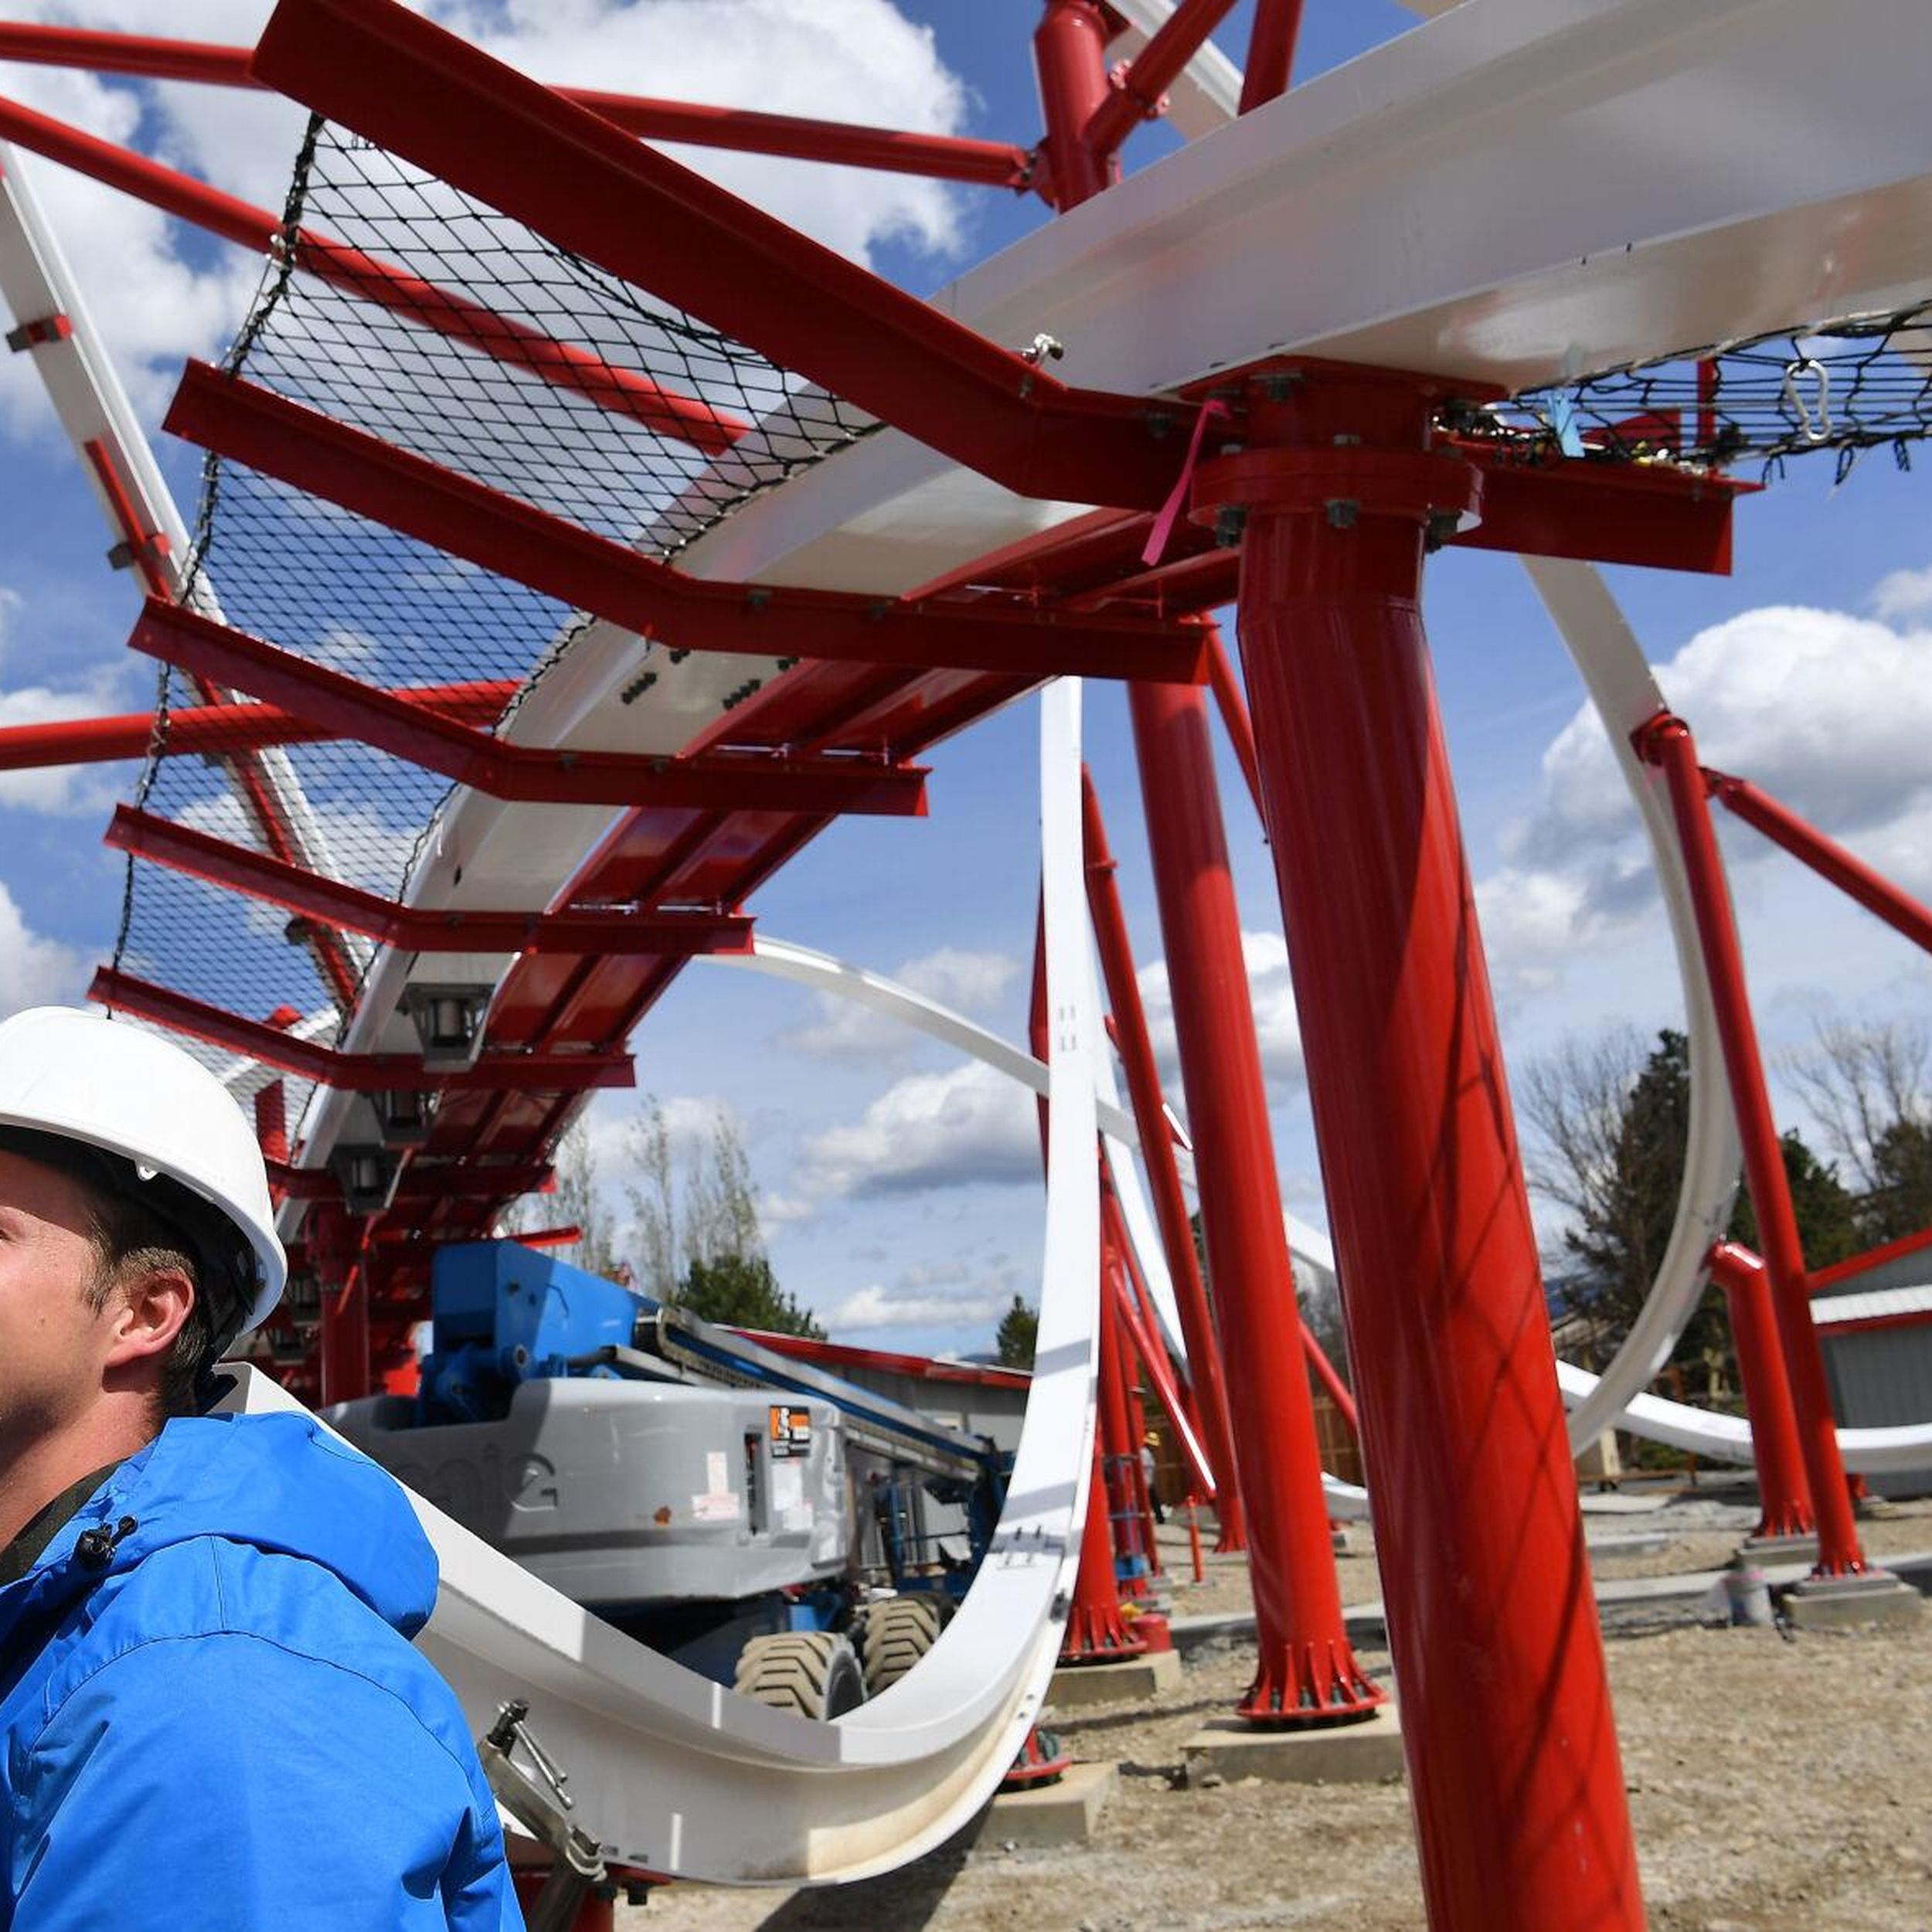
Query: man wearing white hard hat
x=210, y=1713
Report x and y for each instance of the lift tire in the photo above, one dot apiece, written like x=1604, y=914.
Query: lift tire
x=811, y=1673
x=899, y=1632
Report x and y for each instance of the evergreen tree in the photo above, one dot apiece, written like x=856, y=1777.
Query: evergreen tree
x=739, y=1290
x=1019, y=1334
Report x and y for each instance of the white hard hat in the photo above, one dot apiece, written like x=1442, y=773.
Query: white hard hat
x=114, y=1086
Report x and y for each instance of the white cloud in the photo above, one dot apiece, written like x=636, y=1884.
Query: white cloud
x=1902, y=593
x=969, y=982
x=929, y=1131
x=876, y=1308
x=35, y=970
x=1270, y=988
x=1827, y=712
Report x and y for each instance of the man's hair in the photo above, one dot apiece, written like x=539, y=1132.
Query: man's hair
x=138, y=1226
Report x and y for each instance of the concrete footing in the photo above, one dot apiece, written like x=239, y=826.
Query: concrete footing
x=1364, y=1753
x=1076, y=1686
x=1841, y=1603
x=1046, y=1815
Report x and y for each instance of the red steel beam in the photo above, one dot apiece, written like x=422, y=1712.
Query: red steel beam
x=1157, y=1153
x=423, y=1181
x=1518, y=1792
x=1784, y=1495
x=708, y=781
x=442, y=507
x=619, y=933
x=1136, y=92
x=623, y=392
x=993, y=164
x=1232, y=702
x=1665, y=742
x=357, y=1072
x=1825, y=856
x=1278, y=25
x=1305, y=1671
x=220, y=729
x=423, y=92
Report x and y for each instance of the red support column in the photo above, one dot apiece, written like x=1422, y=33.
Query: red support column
x=1164, y=1178
x=1306, y=1671
x=1666, y=742
x=1278, y=25
x=336, y=1252
x=1097, y=1633
x=1784, y=1496
x=1517, y=1788
x=1120, y=1446
x=1069, y=57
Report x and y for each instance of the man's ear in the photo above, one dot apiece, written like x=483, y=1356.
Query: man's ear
x=150, y=1306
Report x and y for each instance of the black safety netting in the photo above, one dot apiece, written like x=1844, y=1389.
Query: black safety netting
x=1848, y=386
x=396, y=304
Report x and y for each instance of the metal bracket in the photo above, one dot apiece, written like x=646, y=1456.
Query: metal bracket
x=536, y=1799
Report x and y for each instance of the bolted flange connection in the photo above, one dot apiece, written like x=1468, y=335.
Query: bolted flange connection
x=1304, y=1686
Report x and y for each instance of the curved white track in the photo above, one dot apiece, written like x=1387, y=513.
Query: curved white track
x=674, y=1773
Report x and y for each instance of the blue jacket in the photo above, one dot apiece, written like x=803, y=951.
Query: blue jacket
x=220, y=1724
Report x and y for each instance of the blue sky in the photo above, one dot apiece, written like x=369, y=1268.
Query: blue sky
x=901, y=1190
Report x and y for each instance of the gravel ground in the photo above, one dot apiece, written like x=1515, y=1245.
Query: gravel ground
x=1775, y=1786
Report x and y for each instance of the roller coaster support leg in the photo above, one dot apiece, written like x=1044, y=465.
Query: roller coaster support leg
x=336, y=1253
x=1666, y=742
x=1517, y=1788
x=1157, y=1155
x=1120, y=1446
x=1306, y=1672
x=1784, y=1496
x=1097, y=1633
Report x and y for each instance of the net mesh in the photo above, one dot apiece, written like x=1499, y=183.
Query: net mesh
x=1856, y=384
x=401, y=307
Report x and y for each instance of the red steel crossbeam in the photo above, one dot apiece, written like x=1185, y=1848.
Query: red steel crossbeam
x=616, y=933
x=993, y=164
x=424, y=1181
x=1825, y=856
x=1136, y=91
x=707, y=781
x=427, y=95
x=219, y=729
x=622, y=392
x=439, y=506
x=357, y=1072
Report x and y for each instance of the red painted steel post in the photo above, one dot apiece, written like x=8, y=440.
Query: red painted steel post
x=1305, y=1671
x=1784, y=1496
x=1278, y=25
x=1666, y=742
x=335, y=1249
x=1517, y=1789
x=1119, y=1447
x=1097, y=1633
x=1164, y=1178
x=1069, y=57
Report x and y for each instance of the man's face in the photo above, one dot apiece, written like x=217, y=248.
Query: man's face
x=52, y=1345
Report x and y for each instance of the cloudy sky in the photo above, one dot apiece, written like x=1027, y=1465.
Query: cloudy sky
x=900, y=1188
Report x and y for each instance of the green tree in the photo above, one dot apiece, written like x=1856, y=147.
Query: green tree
x=1612, y=1124
x=1017, y=1336
x=739, y=1290
x=578, y=1204
x=1869, y=1087
x=1826, y=1211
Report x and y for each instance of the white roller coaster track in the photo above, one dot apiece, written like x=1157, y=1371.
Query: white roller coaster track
x=675, y=1773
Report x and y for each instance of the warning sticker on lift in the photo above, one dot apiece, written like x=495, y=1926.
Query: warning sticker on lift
x=791, y=1432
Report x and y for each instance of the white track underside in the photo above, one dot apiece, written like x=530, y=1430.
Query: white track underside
x=1518, y=191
